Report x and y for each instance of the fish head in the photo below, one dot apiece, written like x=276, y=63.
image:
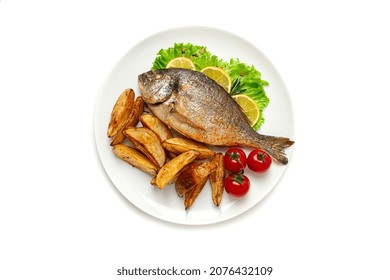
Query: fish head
x=156, y=86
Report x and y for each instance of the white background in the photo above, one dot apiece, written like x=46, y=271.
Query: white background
x=61, y=218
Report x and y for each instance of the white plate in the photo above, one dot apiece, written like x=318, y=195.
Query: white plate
x=134, y=184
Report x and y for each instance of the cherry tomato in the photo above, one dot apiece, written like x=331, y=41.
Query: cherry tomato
x=259, y=161
x=237, y=185
x=234, y=160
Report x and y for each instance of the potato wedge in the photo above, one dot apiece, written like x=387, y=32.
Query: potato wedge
x=147, y=142
x=195, y=179
x=173, y=180
x=158, y=127
x=193, y=193
x=120, y=112
x=135, y=158
x=194, y=174
x=179, y=145
x=131, y=121
x=186, y=179
x=171, y=169
x=153, y=181
x=216, y=179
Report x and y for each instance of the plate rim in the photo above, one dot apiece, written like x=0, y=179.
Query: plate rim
x=106, y=82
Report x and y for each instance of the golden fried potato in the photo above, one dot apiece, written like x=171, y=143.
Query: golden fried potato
x=186, y=179
x=147, y=142
x=179, y=145
x=193, y=193
x=153, y=181
x=120, y=112
x=158, y=127
x=135, y=158
x=216, y=179
x=198, y=177
x=194, y=174
x=169, y=172
x=131, y=121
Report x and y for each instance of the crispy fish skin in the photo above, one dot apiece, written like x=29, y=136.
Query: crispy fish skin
x=216, y=179
x=200, y=109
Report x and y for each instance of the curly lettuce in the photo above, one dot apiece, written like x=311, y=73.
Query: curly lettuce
x=199, y=55
x=246, y=79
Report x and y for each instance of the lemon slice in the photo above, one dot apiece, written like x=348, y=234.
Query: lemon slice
x=219, y=75
x=181, y=62
x=249, y=107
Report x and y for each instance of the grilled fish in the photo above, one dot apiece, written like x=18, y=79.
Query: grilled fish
x=199, y=108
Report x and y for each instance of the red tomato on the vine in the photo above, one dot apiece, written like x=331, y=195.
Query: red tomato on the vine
x=234, y=160
x=237, y=185
x=259, y=161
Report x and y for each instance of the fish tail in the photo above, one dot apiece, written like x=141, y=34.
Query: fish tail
x=273, y=145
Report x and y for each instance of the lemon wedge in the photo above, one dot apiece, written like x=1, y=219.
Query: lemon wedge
x=249, y=107
x=181, y=62
x=219, y=75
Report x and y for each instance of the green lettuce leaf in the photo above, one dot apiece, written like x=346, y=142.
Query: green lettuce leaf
x=245, y=79
x=198, y=54
x=251, y=84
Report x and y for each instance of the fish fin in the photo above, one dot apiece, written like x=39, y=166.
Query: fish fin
x=274, y=146
x=185, y=120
